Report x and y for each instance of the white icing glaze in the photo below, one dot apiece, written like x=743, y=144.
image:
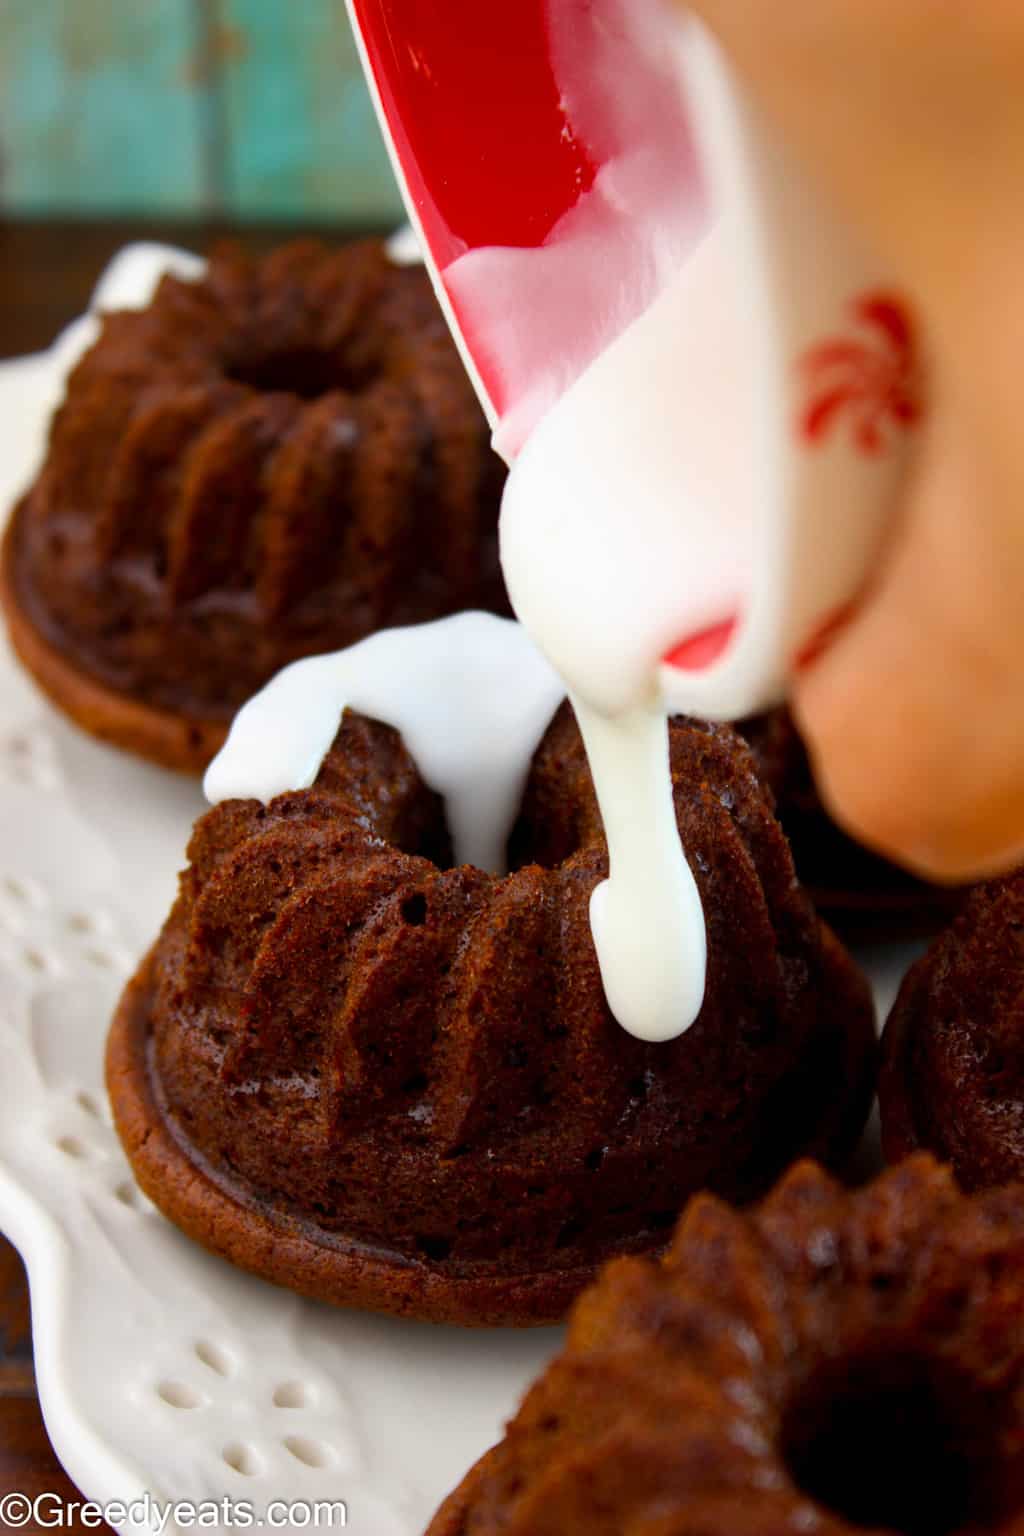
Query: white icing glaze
x=611, y=559
x=471, y=695
x=646, y=918
x=622, y=534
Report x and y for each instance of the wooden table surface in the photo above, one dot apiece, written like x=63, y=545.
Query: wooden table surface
x=47, y=271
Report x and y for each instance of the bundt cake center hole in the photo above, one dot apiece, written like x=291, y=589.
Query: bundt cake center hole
x=888, y=1444
x=306, y=372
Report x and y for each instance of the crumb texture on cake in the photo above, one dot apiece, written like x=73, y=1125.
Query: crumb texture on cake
x=953, y=1049
x=829, y=1362
x=273, y=459
x=354, y=1039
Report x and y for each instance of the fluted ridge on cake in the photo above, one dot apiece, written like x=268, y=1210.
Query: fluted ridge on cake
x=698, y=1394
x=271, y=460
x=953, y=1048
x=329, y=984
x=276, y=422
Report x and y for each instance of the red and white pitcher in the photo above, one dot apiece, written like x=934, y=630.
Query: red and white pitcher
x=662, y=318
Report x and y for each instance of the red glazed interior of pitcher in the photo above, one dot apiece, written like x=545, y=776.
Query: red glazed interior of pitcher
x=550, y=129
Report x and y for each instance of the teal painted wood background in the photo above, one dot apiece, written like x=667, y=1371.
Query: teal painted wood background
x=250, y=108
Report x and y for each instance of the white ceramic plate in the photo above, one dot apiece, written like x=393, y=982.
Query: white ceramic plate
x=161, y=1369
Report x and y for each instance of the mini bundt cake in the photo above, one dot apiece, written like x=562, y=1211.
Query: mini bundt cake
x=860, y=893
x=953, y=1051
x=390, y=1082
x=269, y=461
x=830, y=1362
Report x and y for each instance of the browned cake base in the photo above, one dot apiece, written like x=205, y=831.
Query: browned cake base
x=181, y=742
x=296, y=1254
x=288, y=1251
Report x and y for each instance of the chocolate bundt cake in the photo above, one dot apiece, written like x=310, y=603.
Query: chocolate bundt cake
x=953, y=1077
x=860, y=893
x=273, y=460
x=393, y=1083
x=830, y=1363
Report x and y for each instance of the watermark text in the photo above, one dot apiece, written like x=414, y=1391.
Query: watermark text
x=50, y=1511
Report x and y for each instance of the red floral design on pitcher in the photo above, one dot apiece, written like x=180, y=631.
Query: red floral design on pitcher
x=870, y=379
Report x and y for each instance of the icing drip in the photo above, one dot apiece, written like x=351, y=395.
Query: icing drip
x=612, y=354
x=471, y=696
x=621, y=537
x=646, y=918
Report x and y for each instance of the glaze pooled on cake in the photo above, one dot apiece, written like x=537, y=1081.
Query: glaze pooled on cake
x=471, y=696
